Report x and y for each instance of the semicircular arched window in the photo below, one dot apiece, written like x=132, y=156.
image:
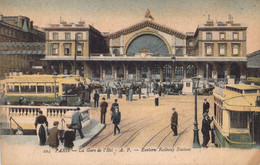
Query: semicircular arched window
x=149, y=44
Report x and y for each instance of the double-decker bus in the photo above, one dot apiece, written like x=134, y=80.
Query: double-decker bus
x=237, y=116
x=47, y=89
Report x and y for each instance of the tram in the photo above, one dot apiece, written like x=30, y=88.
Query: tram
x=46, y=89
x=236, y=121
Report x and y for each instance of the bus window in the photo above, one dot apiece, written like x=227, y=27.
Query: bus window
x=40, y=89
x=32, y=89
x=12, y=89
x=238, y=119
x=57, y=89
x=48, y=89
x=24, y=88
x=69, y=89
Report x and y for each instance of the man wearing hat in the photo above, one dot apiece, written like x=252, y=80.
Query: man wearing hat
x=174, y=122
x=76, y=122
x=116, y=118
x=103, y=110
x=205, y=106
x=115, y=104
x=41, y=126
x=54, y=135
x=205, y=129
x=96, y=99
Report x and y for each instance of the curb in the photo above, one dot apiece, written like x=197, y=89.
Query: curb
x=89, y=140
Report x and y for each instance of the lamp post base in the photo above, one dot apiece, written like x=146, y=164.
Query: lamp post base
x=196, y=141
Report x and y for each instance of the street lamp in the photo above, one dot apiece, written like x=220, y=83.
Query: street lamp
x=196, y=142
x=55, y=77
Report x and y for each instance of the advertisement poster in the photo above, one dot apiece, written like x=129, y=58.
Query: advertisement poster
x=130, y=82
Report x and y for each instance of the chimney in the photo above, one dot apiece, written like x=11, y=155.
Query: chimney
x=209, y=21
x=20, y=21
x=230, y=19
x=31, y=25
x=1, y=17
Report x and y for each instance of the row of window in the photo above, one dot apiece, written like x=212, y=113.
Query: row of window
x=222, y=49
x=218, y=113
x=237, y=119
x=222, y=36
x=67, y=49
x=55, y=36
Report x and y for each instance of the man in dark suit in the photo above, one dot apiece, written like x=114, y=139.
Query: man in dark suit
x=174, y=122
x=76, y=122
x=115, y=104
x=205, y=129
x=103, y=110
x=108, y=92
x=116, y=118
x=54, y=136
x=96, y=99
x=206, y=106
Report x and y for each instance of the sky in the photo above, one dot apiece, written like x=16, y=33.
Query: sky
x=113, y=15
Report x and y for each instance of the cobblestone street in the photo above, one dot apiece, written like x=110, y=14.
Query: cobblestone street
x=144, y=125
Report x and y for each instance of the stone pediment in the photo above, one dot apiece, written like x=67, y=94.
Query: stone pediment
x=147, y=23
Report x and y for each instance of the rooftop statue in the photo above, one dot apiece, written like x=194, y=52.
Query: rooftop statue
x=148, y=15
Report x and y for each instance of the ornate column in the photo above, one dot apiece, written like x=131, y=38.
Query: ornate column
x=215, y=72
x=228, y=70
x=136, y=71
x=125, y=65
x=173, y=71
x=161, y=72
x=61, y=67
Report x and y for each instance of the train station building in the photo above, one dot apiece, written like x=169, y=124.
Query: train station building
x=148, y=51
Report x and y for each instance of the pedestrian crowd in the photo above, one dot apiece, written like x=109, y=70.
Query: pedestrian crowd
x=54, y=136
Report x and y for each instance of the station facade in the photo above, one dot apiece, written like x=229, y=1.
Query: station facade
x=148, y=51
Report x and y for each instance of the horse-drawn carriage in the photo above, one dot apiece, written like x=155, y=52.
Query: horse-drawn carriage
x=174, y=88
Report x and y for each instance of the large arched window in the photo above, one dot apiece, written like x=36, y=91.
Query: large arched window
x=191, y=71
x=156, y=72
x=208, y=71
x=221, y=71
x=120, y=71
x=143, y=71
x=131, y=71
x=167, y=73
x=107, y=69
x=67, y=70
x=95, y=71
x=235, y=71
x=149, y=44
x=179, y=72
x=80, y=69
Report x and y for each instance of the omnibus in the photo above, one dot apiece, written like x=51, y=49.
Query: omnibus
x=47, y=89
x=236, y=121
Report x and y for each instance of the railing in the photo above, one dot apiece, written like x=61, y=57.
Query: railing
x=11, y=118
x=30, y=111
x=22, y=111
x=57, y=112
x=26, y=115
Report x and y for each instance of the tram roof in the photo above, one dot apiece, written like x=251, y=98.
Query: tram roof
x=242, y=103
x=45, y=78
x=244, y=86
